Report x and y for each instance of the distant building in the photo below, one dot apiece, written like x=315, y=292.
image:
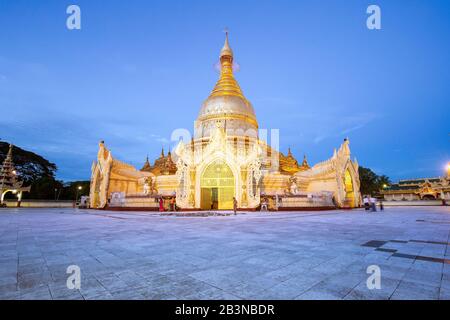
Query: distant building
x=420, y=189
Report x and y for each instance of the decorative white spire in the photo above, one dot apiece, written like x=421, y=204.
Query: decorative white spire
x=226, y=50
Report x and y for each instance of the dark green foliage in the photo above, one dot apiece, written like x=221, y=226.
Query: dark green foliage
x=371, y=183
x=38, y=172
x=70, y=190
x=29, y=165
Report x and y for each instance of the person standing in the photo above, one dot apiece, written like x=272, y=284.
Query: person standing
x=264, y=206
x=172, y=205
x=234, y=205
x=373, y=204
x=161, y=204
x=366, y=203
x=381, y=205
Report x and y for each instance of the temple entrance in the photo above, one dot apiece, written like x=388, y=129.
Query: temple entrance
x=428, y=197
x=349, y=191
x=217, y=187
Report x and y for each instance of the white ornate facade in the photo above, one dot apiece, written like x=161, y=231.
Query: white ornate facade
x=224, y=160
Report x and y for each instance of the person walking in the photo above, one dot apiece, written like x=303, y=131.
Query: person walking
x=373, y=204
x=381, y=205
x=234, y=205
x=366, y=203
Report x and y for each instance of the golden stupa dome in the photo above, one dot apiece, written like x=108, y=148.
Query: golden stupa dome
x=226, y=103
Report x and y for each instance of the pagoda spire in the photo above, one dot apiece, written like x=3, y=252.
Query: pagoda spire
x=9, y=155
x=226, y=49
x=305, y=162
x=8, y=174
x=147, y=166
x=227, y=84
x=8, y=178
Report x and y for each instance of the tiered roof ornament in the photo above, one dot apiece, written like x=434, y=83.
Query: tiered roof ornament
x=9, y=181
x=305, y=163
x=164, y=165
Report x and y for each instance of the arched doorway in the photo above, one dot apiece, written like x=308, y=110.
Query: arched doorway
x=428, y=197
x=349, y=190
x=217, y=186
x=2, y=199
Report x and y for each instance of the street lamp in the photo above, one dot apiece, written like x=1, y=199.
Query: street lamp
x=78, y=189
x=447, y=170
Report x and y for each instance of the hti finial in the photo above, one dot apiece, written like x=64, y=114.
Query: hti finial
x=10, y=150
x=226, y=50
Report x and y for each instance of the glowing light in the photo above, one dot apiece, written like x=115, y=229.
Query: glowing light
x=14, y=172
x=80, y=187
x=385, y=186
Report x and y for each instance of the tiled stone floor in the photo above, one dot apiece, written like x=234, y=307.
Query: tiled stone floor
x=298, y=255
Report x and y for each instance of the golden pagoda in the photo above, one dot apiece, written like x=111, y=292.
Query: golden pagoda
x=226, y=103
x=225, y=159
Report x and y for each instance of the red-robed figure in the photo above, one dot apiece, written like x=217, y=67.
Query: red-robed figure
x=161, y=204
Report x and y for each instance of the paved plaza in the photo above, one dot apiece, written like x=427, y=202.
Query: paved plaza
x=289, y=255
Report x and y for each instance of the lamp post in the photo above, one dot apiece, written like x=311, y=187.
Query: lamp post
x=76, y=197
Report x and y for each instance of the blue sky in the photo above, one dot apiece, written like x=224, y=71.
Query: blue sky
x=139, y=69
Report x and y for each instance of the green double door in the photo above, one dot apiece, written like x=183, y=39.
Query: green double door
x=217, y=187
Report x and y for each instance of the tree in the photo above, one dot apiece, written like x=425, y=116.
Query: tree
x=45, y=188
x=71, y=190
x=38, y=172
x=371, y=183
x=29, y=165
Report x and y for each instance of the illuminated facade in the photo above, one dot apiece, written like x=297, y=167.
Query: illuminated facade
x=9, y=181
x=225, y=159
x=420, y=189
